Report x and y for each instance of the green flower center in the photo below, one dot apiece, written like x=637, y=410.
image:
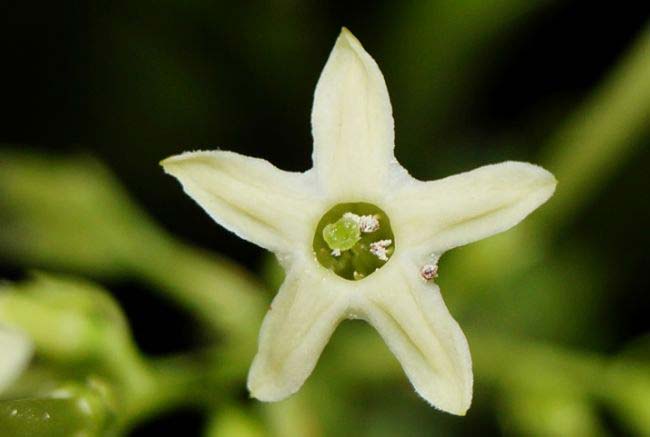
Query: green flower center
x=354, y=240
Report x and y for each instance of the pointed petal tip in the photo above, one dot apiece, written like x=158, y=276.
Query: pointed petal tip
x=523, y=165
x=174, y=158
x=171, y=160
x=164, y=163
x=168, y=163
x=171, y=165
x=459, y=408
x=345, y=33
x=536, y=174
x=544, y=174
x=455, y=399
x=540, y=182
x=348, y=40
x=547, y=180
x=458, y=403
x=265, y=389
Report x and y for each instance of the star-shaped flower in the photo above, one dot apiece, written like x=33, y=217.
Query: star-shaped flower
x=358, y=236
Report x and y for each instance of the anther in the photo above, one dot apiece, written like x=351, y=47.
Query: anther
x=367, y=223
x=378, y=248
x=429, y=271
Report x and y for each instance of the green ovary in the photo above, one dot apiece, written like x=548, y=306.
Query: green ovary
x=347, y=248
x=342, y=235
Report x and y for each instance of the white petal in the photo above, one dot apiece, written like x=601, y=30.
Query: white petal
x=413, y=320
x=439, y=215
x=257, y=201
x=352, y=122
x=15, y=352
x=297, y=327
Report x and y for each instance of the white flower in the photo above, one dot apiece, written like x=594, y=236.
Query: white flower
x=354, y=165
x=15, y=352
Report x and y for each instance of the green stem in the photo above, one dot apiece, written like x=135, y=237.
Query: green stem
x=602, y=134
x=162, y=386
x=506, y=362
x=623, y=386
x=221, y=293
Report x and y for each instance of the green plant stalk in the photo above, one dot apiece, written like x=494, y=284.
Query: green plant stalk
x=602, y=134
x=628, y=394
x=232, y=421
x=511, y=364
x=163, y=385
x=622, y=385
x=219, y=292
x=563, y=413
x=294, y=416
x=202, y=382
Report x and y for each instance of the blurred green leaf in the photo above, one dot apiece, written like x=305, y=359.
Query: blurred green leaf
x=627, y=392
x=559, y=297
x=68, y=213
x=601, y=135
x=71, y=214
x=80, y=332
x=78, y=328
x=68, y=319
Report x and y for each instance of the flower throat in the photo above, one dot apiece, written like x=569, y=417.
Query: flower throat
x=354, y=240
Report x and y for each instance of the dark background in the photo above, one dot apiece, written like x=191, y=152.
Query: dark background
x=134, y=82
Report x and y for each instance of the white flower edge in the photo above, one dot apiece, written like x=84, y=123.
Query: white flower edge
x=353, y=159
x=15, y=352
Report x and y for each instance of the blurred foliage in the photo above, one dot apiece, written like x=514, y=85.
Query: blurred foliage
x=538, y=304
x=72, y=410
